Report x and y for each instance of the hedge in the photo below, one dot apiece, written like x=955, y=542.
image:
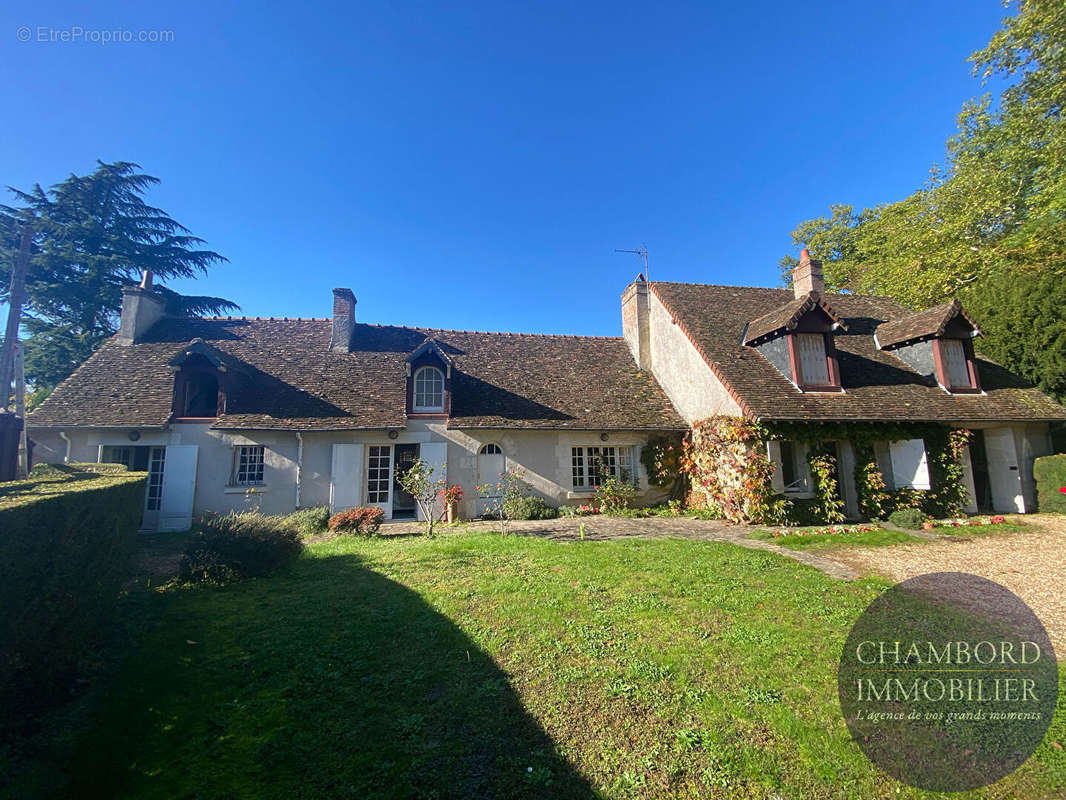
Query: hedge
x=66, y=538
x=1050, y=475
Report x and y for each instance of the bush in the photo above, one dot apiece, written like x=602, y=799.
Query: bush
x=365, y=520
x=909, y=518
x=309, y=521
x=238, y=545
x=67, y=534
x=520, y=508
x=1050, y=475
x=613, y=495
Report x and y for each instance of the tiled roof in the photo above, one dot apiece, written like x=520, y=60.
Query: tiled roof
x=930, y=322
x=293, y=381
x=877, y=385
x=786, y=317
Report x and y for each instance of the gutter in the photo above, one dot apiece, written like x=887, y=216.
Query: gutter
x=299, y=464
x=65, y=438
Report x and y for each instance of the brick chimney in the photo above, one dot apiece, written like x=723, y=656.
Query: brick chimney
x=141, y=309
x=636, y=321
x=807, y=275
x=343, y=321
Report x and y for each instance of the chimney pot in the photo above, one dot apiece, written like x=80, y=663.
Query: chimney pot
x=807, y=275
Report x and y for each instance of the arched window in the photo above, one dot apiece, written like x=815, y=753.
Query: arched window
x=491, y=450
x=429, y=389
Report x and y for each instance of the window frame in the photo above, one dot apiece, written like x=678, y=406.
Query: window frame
x=184, y=380
x=832, y=366
x=425, y=409
x=589, y=478
x=248, y=465
x=940, y=359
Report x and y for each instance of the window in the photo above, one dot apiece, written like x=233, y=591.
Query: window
x=378, y=474
x=953, y=353
x=199, y=395
x=248, y=465
x=154, y=495
x=491, y=450
x=813, y=364
x=910, y=469
x=794, y=469
x=429, y=389
x=590, y=465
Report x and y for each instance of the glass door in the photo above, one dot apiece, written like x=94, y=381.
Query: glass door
x=379, y=477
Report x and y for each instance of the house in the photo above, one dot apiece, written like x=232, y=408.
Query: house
x=229, y=413
x=804, y=356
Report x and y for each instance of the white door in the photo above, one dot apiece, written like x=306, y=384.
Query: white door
x=1004, y=471
x=490, y=468
x=178, y=487
x=346, y=477
x=435, y=454
x=379, y=477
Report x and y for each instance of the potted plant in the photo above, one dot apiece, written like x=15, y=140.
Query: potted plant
x=928, y=525
x=451, y=497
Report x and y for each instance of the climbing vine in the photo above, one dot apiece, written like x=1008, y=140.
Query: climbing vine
x=661, y=458
x=828, y=506
x=729, y=471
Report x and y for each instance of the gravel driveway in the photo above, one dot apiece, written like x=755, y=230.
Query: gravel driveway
x=1031, y=564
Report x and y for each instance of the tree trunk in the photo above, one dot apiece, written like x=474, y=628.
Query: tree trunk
x=14, y=316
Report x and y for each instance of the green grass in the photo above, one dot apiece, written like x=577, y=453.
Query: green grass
x=1010, y=526
x=476, y=665
x=827, y=541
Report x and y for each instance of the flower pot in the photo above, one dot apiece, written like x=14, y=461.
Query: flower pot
x=927, y=526
x=452, y=512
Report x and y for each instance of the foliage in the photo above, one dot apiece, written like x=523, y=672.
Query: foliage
x=235, y=546
x=453, y=494
x=364, y=519
x=1050, y=475
x=309, y=521
x=661, y=458
x=828, y=504
x=727, y=464
x=614, y=494
x=908, y=518
x=418, y=480
x=991, y=224
x=504, y=497
x=93, y=234
x=583, y=510
x=532, y=507
x=66, y=537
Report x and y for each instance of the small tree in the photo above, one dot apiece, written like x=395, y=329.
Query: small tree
x=502, y=496
x=418, y=481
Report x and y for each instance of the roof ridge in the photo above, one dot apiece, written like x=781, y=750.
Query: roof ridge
x=248, y=319
x=771, y=289
x=491, y=333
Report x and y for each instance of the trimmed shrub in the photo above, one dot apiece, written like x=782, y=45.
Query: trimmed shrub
x=67, y=534
x=232, y=547
x=309, y=521
x=365, y=520
x=522, y=508
x=1050, y=475
x=909, y=518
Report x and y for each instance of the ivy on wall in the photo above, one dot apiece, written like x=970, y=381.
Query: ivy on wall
x=661, y=458
x=730, y=472
x=828, y=506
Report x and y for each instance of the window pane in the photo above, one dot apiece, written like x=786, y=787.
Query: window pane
x=813, y=367
x=955, y=356
x=377, y=474
x=577, y=461
x=155, y=478
x=248, y=469
x=788, y=464
x=429, y=388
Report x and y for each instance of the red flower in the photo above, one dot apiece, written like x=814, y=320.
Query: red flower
x=1062, y=489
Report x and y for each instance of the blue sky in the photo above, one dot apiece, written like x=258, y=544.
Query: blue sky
x=474, y=165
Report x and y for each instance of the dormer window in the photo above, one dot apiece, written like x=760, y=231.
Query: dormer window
x=204, y=377
x=797, y=339
x=429, y=390
x=937, y=343
x=199, y=397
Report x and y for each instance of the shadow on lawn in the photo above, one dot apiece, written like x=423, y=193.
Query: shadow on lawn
x=329, y=681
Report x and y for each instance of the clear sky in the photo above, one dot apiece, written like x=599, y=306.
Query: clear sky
x=474, y=165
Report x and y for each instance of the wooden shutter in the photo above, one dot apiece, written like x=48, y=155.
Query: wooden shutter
x=955, y=362
x=814, y=369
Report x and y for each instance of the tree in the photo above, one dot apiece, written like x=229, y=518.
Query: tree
x=418, y=481
x=94, y=234
x=993, y=219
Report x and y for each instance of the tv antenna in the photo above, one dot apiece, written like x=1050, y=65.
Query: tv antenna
x=642, y=252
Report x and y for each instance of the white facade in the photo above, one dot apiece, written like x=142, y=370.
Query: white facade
x=303, y=470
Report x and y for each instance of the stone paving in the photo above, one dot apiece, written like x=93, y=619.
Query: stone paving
x=600, y=528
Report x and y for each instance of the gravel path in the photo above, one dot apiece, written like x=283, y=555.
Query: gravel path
x=1032, y=564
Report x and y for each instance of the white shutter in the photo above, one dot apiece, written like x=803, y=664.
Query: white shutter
x=814, y=370
x=346, y=477
x=909, y=466
x=435, y=454
x=179, y=487
x=955, y=356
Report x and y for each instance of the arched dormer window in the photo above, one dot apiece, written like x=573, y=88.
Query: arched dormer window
x=428, y=390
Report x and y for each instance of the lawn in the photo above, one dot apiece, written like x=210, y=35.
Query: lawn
x=477, y=665
x=826, y=541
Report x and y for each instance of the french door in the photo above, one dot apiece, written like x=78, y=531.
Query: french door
x=379, y=477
